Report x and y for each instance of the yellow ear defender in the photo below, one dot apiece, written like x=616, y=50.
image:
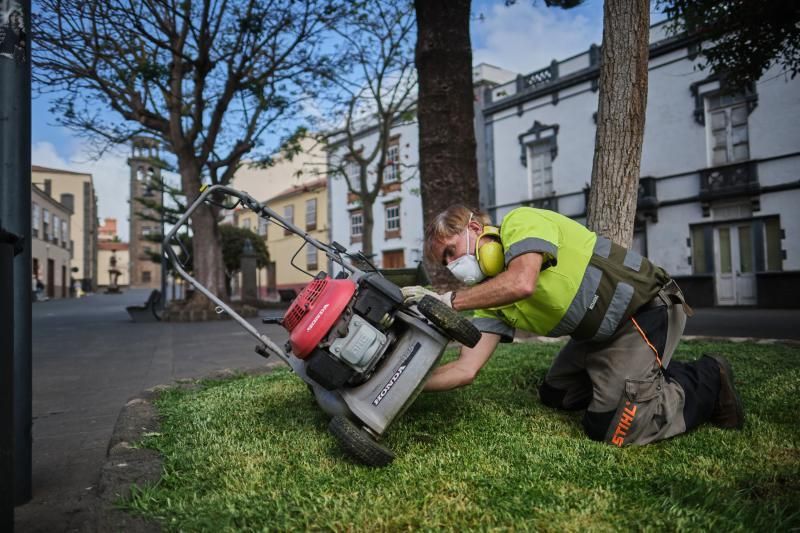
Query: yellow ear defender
x=490, y=256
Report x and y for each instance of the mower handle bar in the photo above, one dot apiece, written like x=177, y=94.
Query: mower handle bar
x=263, y=212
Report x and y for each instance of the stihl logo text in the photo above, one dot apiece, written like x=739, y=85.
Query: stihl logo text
x=625, y=422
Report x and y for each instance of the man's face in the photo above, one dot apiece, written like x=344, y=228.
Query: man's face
x=451, y=248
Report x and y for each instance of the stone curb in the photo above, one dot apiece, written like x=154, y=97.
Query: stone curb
x=127, y=466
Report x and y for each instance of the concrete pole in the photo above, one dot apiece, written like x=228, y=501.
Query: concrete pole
x=15, y=212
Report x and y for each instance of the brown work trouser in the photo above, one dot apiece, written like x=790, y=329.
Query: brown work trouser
x=625, y=383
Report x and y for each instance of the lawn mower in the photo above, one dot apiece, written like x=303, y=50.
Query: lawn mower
x=363, y=353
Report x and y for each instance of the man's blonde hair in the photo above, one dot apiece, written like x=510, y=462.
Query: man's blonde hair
x=450, y=222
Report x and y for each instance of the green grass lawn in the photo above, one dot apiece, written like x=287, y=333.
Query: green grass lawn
x=253, y=453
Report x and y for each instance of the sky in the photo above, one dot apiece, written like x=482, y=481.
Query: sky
x=523, y=37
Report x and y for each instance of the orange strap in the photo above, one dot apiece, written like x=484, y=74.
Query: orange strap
x=641, y=332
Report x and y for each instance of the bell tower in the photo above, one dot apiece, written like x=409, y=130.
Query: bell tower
x=145, y=183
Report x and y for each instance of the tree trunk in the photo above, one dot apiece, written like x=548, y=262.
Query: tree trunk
x=367, y=227
x=447, y=163
x=620, y=119
x=206, y=243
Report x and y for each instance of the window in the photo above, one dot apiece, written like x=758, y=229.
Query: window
x=311, y=257
x=728, y=128
x=36, y=215
x=353, y=170
x=701, y=250
x=46, y=225
x=146, y=230
x=392, y=172
x=146, y=277
x=56, y=229
x=538, y=150
x=772, y=229
x=540, y=170
x=288, y=214
x=311, y=214
x=246, y=223
x=262, y=226
x=356, y=226
x=64, y=233
x=393, y=217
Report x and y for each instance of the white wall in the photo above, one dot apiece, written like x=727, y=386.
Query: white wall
x=411, y=224
x=785, y=204
x=666, y=239
x=774, y=126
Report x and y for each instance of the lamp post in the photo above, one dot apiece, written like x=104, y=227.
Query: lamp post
x=149, y=194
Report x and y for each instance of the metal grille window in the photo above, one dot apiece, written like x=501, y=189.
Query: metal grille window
x=56, y=229
x=393, y=217
x=311, y=214
x=36, y=214
x=392, y=171
x=728, y=124
x=356, y=224
x=64, y=233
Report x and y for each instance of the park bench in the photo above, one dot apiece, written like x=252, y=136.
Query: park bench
x=147, y=312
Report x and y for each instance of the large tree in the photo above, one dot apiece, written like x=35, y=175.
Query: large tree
x=746, y=36
x=447, y=163
x=375, y=93
x=207, y=78
x=620, y=119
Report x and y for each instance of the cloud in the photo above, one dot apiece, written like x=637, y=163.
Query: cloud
x=525, y=37
x=111, y=176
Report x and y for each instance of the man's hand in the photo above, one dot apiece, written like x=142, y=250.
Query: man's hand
x=414, y=293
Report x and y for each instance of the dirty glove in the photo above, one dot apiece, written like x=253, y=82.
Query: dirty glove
x=413, y=294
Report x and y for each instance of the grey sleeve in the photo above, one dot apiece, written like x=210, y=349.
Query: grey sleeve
x=531, y=244
x=496, y=326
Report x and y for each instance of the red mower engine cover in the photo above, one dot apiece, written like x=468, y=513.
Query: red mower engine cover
x=314, y=312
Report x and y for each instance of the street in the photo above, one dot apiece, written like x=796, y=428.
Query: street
x=89, y=359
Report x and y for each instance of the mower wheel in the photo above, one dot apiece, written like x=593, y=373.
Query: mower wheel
x=454, y=325
x=358, y=444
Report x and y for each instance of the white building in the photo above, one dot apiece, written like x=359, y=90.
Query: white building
x=397, y=233
x=719, y=180
x=398, y=224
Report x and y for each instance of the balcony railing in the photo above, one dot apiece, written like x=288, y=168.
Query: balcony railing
x=739, y=179
x=550, y=202
x=538, y=77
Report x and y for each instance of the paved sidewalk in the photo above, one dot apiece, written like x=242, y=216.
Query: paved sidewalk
x=745, y=322
x=90, y=359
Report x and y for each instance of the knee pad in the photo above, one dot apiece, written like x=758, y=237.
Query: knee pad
x=551, y=396
x=596, y=424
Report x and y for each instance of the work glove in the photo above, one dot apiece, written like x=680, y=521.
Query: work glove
x=414, y=293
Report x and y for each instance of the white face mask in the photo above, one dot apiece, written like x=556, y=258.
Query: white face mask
x=466, y=268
